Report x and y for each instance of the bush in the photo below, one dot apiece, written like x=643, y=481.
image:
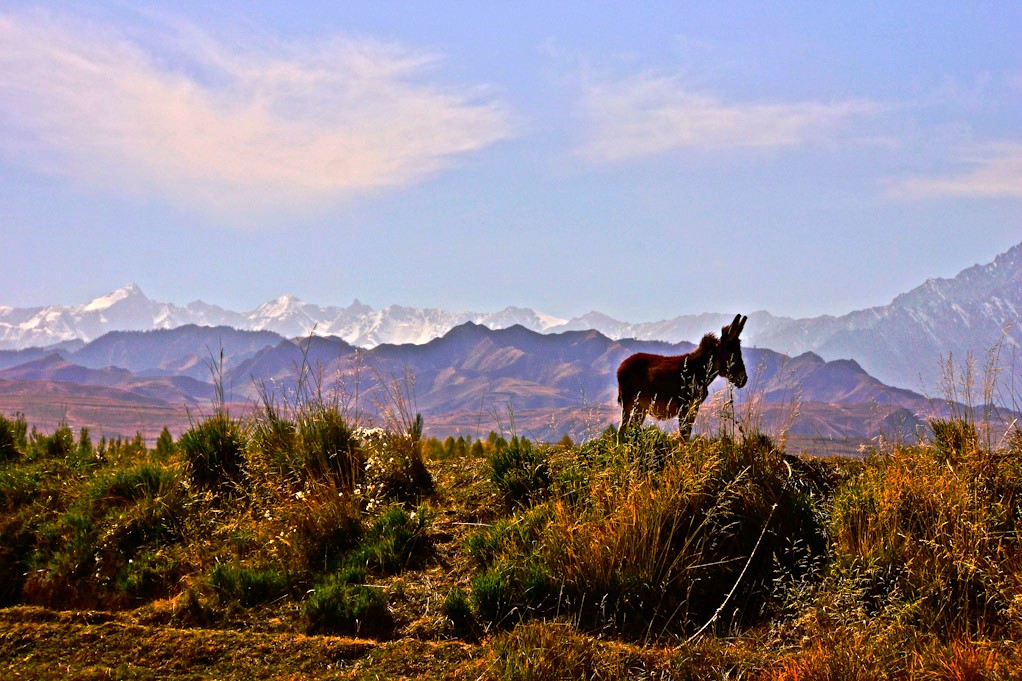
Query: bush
x=328, y=446
x=59, y=445
x=394, y=467
x=954, y=438
x=214, y=450
x=112, y=540
x=327, y=527
x=164, y=448
x=340, y=604
x=248, y=586
x=458, y=610
x=630, y=548
x=12, y=437
x=519, y=470
x=150, y=481
x=394, y=540
x=149, y=574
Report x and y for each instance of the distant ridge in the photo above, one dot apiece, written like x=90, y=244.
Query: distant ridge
x=902, y=343
x=469, y=381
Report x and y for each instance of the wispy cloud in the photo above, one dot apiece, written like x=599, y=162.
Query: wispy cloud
x=225, y=129
x=994, y=171
x=647, y=114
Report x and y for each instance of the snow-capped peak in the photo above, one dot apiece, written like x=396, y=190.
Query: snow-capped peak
x=279, y=307
x=111, y=299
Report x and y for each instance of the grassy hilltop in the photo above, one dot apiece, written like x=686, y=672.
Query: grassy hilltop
x=297, y=545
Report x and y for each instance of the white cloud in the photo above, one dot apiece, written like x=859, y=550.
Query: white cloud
x=230, y=131
x=995, y=170
x=647, y=114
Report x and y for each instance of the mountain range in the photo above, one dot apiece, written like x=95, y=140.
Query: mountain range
x=469, y=381
x=903, y=343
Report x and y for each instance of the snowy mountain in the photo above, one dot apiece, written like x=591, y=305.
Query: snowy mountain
x=902, y=343
x=129, y=309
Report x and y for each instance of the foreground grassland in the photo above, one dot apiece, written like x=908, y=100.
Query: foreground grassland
x=293, y=545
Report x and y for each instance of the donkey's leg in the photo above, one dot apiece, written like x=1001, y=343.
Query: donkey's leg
x=626, y=415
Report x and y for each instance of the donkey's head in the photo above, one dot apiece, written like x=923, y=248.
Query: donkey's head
x=728, y=355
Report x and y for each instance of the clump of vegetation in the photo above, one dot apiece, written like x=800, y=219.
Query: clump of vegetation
x=394, y=466
x=328, y=447
x=108, y=543
x=342, y=603
x=519, y=470
x=457, y=608
x=12, y=438
x=638, y=549
x=393, y=541
x=926, y=528
x=247, y=585
x=214, y=450
x=58, y=445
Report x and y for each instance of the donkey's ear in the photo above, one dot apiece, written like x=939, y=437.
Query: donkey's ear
x=731, y=330
x=741, y=324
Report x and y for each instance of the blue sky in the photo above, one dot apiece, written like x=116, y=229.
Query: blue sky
x=642, y=159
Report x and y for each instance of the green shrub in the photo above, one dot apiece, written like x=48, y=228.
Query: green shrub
x=18, y=486
x=328, y=447
x=214, y=450
x=458, y=610
x=143, y=481
x=512, y=590
x=394, y=540
x=496, y=593
x=248, y=586
x=147, y=575
x=341, y=605
x=111, y=538
x=164, y=448
x=59, y=445
x=275, y=440
x=12, y=436
x=519, y=470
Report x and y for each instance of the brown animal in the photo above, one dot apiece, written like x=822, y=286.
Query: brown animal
x=675, y=386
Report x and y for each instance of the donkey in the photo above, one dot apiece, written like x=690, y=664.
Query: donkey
x=675, y=386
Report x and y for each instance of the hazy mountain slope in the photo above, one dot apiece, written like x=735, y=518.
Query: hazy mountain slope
x=903, y=342
x=190, y=350
x=54, y=368
x=314, y=361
